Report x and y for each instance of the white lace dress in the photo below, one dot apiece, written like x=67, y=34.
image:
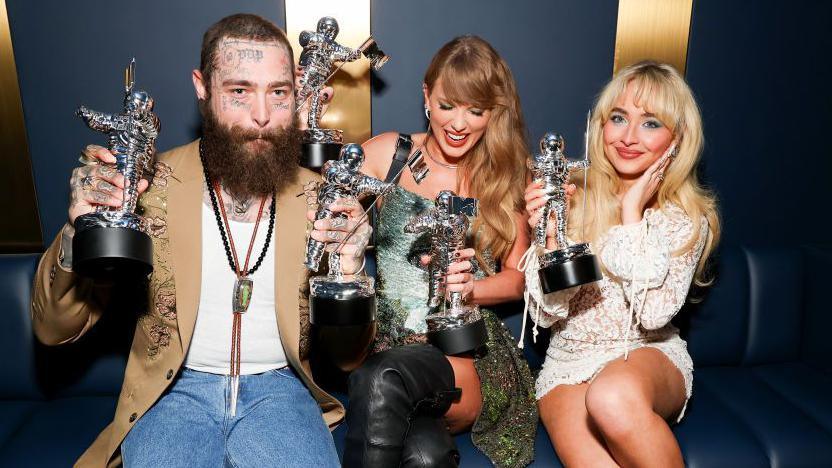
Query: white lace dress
x=643, y=288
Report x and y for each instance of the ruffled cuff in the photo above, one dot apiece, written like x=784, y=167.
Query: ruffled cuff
x=555, y=306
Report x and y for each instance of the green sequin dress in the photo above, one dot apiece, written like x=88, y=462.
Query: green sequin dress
x=505, y=428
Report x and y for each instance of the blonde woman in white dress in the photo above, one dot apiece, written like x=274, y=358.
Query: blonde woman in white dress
x=616, y=371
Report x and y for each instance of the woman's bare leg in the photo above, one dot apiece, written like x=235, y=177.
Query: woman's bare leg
x=573, y=433
x=630, y=401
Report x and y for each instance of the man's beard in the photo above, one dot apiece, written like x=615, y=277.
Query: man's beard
x=250, y=162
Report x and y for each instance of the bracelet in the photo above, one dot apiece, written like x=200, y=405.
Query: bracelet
x=363, y=264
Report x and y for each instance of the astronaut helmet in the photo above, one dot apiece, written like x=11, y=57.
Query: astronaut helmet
x=328, y=27
x=443, y=200
x=352, y=155
x=138, y=101
x=551, y=143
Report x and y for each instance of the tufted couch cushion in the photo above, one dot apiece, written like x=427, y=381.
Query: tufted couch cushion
x=762, y=382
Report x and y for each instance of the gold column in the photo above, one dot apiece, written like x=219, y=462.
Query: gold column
x=19, y=220
x=652, y=29
x=350, y=108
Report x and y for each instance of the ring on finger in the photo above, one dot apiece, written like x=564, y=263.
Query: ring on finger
x=87, y=183
x=332, y=235
x=661, y=175
x=87, y=160
x=339, y=223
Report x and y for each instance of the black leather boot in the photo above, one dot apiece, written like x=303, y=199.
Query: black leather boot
x=429, y=445
x=387, y=393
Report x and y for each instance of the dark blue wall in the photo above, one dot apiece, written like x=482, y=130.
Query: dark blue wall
x=74, y=53
x=762, y=76
x=760, y=72
x=560, y=52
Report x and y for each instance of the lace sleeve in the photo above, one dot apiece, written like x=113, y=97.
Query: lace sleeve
x=640, y=257
x=637, y=250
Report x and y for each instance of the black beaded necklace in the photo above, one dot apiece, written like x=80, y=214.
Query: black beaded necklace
x=243, y=286
x=217, y=214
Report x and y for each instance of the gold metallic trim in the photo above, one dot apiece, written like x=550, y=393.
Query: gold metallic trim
x=350, y=109
x=20, y=229
x=652, y=29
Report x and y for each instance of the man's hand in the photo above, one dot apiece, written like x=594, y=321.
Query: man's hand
x=333, y=231
x=96, y=183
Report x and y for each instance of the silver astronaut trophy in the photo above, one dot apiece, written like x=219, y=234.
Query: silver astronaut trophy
x=453, y=326
x=320, y=53
x=336, y=299
x=570, y=265
x=113, y=242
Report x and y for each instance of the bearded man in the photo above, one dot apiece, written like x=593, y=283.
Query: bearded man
x=208, y=384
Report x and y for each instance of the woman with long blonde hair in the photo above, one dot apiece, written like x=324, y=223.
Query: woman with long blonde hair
x=402, y=399
x=616, y=369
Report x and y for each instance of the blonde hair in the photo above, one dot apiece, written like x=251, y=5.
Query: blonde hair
x=659, y=89
x=473, y=73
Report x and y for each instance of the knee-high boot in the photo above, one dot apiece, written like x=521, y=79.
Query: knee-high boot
x=387, y=393
x=429, y=444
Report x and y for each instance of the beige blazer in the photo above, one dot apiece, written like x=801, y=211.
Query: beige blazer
x=64, y=306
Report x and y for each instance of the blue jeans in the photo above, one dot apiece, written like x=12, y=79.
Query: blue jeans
x=278, y=423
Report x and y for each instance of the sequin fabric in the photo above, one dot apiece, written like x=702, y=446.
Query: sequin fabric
x=505, y=428
x=646, y=282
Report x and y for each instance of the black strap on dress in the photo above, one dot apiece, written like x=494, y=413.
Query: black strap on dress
x=403, y=146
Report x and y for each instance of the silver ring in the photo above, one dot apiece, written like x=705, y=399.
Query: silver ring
x=87, y=160
x=87, y=183
x=661, y=176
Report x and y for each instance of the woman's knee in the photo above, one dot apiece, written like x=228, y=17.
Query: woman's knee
x=616, y=404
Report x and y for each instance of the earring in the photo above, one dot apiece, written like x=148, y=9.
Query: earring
x=427, y=113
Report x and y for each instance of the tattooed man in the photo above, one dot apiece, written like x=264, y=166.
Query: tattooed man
x=218, y=373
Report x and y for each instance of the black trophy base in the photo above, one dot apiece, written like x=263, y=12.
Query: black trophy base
x=112, y=253
x=460, y=340
x=314, y=155
x=344, y=346
x=578, y=270
x=328, y=312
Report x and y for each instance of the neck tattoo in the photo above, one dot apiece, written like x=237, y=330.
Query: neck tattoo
x=240, y=207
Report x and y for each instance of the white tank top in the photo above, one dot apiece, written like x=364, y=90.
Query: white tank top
x=261, y=349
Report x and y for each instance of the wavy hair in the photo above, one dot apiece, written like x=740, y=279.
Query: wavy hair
x=494, y=171
x=659, y=89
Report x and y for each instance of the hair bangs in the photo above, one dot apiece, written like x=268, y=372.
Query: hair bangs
x=465, y=81
x=655, y=93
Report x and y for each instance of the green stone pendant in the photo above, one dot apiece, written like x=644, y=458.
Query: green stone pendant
x=242, y=294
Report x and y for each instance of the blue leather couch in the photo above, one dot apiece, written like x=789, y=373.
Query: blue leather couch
x=762, y=390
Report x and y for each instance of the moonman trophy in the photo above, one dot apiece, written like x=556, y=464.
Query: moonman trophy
x=453, y=326
x=113, y=242
x=320, y=52
x=336, y=299
x=570, y=265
